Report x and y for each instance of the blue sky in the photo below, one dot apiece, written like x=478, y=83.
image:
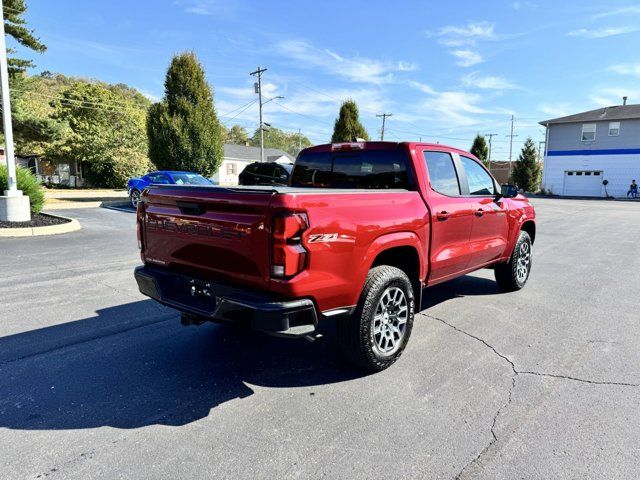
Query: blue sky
x=445, y=70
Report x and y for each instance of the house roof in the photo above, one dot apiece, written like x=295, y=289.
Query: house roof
x=616, y=112
x=252, y=154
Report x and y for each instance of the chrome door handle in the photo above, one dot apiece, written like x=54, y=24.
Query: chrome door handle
x=442, y=216
x=479, y=212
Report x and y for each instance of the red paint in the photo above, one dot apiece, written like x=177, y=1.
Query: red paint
x=231, y=239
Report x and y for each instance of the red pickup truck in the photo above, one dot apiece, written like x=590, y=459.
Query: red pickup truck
x=361, y=229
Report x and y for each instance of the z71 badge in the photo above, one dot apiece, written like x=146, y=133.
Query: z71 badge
x=323, y=237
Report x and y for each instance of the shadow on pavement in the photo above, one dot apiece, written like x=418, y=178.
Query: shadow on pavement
x=134, y=365
x=459, y=287
x=146, y=373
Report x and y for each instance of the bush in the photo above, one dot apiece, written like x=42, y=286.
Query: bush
x=28, y=183
x=117, y=167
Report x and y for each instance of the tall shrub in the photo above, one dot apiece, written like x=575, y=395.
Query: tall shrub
x=480, y=149
x=348, y=127
x=526, y=171
x=183, y=129
x=28, y=183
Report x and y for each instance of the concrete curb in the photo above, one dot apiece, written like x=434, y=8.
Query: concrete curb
x=71, y=226
x=68, y=205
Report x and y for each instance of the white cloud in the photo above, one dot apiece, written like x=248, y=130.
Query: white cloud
x=151, y=96
x=630, y=10
x=608, y=96
x=556, y=110
x=355, y=69
x=457, y=36
x=423, y=87
x=601, y=32
x=203, y=7
x=487, y=82
x=455, y=108
x=626, y=69
x=524, y=4
x=467, y=58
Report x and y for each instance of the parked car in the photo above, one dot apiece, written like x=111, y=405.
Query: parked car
x=266, y=173
x=135, y=186
x=362, y=229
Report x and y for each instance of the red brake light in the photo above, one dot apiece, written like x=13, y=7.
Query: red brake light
x=347, y=147
x=289, y=257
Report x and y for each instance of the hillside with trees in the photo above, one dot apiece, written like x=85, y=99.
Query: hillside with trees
x=99, y=125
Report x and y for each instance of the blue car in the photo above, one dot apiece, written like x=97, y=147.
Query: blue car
x=135, y=186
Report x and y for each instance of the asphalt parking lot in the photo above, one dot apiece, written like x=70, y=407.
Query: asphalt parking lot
x=98, y=382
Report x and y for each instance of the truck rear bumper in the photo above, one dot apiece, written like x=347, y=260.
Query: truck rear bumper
x=218, y=302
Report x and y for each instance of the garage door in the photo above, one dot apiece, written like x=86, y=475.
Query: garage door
x=583, y=183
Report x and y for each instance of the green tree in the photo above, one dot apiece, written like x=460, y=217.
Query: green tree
x=237, y=134
x=15, y=27
x=183, y=129
x=276, y=138
x=104, y=128
x=526, y=171
x=480, y=149
x=348, y=127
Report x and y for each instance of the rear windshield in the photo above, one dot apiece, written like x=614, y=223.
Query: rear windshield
x=362, y=169
x=189, y=179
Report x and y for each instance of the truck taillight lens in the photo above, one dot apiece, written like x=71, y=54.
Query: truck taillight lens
x=288, y=257
x=139, y=233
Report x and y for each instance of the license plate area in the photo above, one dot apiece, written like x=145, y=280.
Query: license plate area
x=196, y=294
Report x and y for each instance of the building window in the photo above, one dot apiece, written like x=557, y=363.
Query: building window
x=231, y=168
x=614, y=129
x=588, y=132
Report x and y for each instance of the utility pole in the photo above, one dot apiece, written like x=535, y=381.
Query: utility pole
x=299, y=141
x=490, y=135
x=540, y=153
x=258, y=90
x=511, y=142
x=14, y=207
x=384, y=117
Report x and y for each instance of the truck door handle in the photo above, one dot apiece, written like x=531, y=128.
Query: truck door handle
x=479, y=212
x=442, y=216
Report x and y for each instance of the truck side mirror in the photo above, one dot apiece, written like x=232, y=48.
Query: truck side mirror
x=508, y=191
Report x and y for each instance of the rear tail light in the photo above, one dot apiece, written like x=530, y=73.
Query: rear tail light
x=347, y=147
x=139, y=233
x=288, y=256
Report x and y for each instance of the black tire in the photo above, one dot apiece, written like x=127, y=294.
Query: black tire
x=513, y=275
x=134, y=196
x=357, y=336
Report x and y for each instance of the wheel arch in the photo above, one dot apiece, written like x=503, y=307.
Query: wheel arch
x=404, y=252
x=529, y=226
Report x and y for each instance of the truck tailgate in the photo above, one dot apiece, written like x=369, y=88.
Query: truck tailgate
x=213, y=232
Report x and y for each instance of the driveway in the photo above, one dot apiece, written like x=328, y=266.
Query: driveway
x=98, y=382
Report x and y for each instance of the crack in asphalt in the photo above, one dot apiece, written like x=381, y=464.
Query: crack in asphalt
x=514, y=375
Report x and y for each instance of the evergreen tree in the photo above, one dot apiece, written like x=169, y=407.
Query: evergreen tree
x=348, y=127
x=183, y=129
x=14, y=26
x=480, y=149
x=526, y=172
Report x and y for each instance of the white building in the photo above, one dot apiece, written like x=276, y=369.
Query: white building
x=237, y=157
x=584, y=149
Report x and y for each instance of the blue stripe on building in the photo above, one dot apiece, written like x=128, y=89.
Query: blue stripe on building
x=610, y=151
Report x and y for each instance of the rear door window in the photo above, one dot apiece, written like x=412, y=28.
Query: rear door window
x=442, y=173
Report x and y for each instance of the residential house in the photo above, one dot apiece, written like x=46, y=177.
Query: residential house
x=584, y=149
x=237, y=157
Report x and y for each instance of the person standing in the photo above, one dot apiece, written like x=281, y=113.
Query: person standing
x=633, y=190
